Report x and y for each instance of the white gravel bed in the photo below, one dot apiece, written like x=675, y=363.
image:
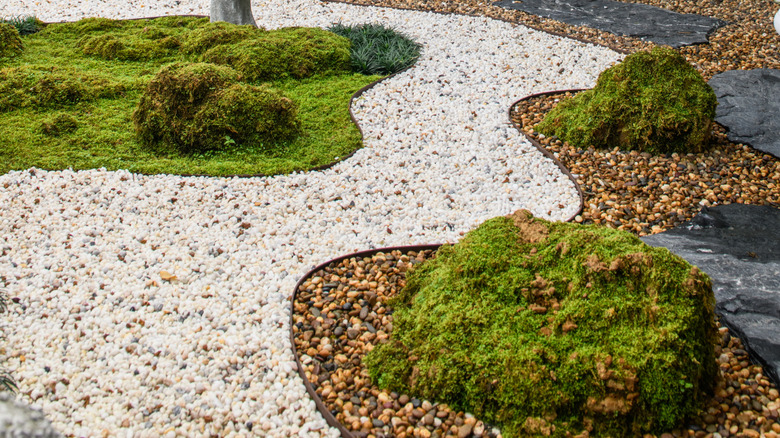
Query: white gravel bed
x=107, y=344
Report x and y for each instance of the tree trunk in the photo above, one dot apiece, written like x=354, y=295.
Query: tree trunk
x=232, y=11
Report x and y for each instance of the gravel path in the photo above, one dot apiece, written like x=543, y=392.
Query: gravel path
x=158, y=305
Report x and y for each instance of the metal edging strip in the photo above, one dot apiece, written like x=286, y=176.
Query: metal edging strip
x=549, y=154
x=329, y=417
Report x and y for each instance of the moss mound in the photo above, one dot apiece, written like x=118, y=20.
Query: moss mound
x=10, y=41
x=553, y=329
x=285, y=53
x=652, y=101
x=200, y=40
x=199, y=107
x=43, y=86
x=60, y=124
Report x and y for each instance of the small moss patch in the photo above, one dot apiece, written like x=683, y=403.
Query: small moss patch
x=652, y=101
x=40, y=87
x=10, y=41
x=549, y=329
x=292, y=52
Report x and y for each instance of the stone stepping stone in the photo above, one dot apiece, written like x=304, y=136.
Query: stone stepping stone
x=749, y=107
x=738, y=246
x=641, y=21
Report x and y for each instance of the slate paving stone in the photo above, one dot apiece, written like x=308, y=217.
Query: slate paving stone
x=738, y=246
x=749, y=107
x=646, y=22
x=19, y=420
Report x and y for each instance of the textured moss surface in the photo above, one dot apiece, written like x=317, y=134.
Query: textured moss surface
x=97, y=70
x=196, y=107
x=652, y=101
x=554, y=328
x=41, y=86
x=290, y=52
x=10, y=41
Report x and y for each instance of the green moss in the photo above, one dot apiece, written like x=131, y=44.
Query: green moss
x=199, y=107
x=41, y=87
x=290, y=52
x=10, y=41
x=199, y=40
x=62, y=123
x=553, y=328
x=105, y=136
x=654, y=102
x=87, y=25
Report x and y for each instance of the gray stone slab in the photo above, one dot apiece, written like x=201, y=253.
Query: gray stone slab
x=738, y=246
x=749, y=107
x=19, y=420
x=646, y=22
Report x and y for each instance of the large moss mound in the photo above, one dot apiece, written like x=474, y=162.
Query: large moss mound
x=10, y=41
x=652, y=101
x=197, y=107
x=38, y=86
x=285, y=53
x=554, y=328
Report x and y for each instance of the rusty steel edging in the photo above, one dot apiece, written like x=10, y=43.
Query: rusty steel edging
x=329, y=417
x=548, y=154
x=355, y=95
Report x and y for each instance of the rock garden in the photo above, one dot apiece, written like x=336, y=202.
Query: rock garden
x=569, y=245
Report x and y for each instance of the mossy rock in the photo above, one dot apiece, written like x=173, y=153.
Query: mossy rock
x=652, y=101
x=549, y=328
x=46, y=87
x=284, y=53
x=60, y=124
x=197, y=107
x=10, y=41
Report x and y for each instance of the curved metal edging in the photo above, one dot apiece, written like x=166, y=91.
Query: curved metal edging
x=549, y=154
x=329, y=417
x=355, y=95
x=558, y=34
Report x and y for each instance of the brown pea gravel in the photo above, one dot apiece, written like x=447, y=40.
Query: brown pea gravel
x=647, y=194
x=340, y=313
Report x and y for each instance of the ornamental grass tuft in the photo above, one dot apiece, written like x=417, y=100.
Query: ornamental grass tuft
x=377, y=49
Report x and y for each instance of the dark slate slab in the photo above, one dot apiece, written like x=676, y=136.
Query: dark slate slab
x=738, y=246
x=646, y=22
x=749, y=107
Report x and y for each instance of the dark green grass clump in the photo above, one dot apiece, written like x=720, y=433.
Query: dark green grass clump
x=553, y=328
x=10, y=42
x=377, y=49
x=652, y=101
x=25, y=25
x=199, y=107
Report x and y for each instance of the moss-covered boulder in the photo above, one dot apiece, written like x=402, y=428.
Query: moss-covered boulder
x=285, y=53
x=42, y=86
x=652, y=101
x=10, y=41
x=553, y=328
x=196, y=107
